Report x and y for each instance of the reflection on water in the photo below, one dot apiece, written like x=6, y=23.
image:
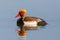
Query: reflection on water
x=22, y=38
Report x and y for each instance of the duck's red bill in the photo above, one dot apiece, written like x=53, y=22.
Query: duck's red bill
x=17, y=15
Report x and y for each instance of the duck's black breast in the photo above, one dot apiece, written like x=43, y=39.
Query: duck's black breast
x=20, y=22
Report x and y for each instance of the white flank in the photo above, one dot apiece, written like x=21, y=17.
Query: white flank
x=30, y=23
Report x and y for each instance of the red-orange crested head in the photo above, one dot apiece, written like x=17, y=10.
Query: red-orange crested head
x=22, y=13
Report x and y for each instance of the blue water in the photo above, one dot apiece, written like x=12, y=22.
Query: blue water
x=49, y=10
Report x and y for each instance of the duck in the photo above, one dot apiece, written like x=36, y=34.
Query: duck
x=29, y=22
x=25, y=22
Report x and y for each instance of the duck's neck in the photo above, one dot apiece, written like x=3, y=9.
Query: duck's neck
x=23, y=17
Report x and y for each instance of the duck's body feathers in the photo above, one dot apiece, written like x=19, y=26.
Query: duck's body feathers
x=31, y=22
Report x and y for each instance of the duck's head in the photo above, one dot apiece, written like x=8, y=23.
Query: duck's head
x=22, y=13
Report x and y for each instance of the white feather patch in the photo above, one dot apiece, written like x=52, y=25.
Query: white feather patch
x=30, y=23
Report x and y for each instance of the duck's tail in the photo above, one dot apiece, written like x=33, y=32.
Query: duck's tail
x=42, y=23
